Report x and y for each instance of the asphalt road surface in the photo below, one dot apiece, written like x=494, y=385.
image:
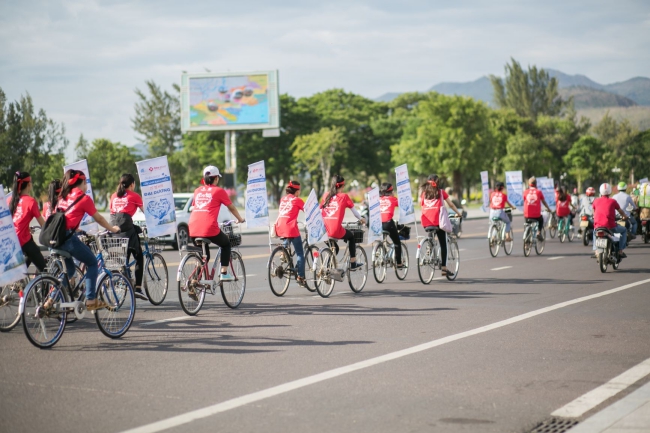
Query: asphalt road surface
x=497, y=350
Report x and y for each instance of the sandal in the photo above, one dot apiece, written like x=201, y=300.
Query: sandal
x=301, y=281
x=95, y=304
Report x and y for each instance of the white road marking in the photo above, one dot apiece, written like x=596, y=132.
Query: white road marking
x=173, y=319
x=555, y=258
x=593, y=398
x=501, y=268
x=326, y=375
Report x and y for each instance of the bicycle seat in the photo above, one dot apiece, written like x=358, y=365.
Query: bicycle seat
x=202, y=241
x=531, y=221
x=431, y=229
x=60, y=253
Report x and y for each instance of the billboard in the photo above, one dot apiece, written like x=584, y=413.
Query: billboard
x=230, y=101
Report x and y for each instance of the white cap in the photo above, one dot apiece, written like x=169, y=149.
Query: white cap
x=211, y=171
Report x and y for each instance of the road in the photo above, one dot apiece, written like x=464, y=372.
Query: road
x=497, y=350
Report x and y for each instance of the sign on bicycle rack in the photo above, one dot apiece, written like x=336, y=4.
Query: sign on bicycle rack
x=314, y=219
x=257, y=203
x=404, y=195
x=12, y=260
x=87, y=223
x=374, y=216
x=158, y=196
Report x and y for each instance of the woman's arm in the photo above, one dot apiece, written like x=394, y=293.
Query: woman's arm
x=357, y=214
x=235, y=212
x=452, y=205
x=102, y=222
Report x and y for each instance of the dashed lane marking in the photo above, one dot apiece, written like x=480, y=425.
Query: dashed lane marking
x=173, y=319
x=501, y=268
x=555, y=258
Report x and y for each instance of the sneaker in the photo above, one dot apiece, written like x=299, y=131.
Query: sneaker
x=192, y=295
x=540, y=237
x=227, y=277
x=356, y=265
x=139, y=294
x=622, y=255
x=401, y=266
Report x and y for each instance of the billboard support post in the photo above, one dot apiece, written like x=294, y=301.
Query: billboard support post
x=227, y=142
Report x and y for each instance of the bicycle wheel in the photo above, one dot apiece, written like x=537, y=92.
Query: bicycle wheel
x=425, y=261
x=379, y=262
x=191, y=293
x=552, y=227
x=325, y=281
x=155, y=279
x=539, y=245
x=561, y=229
x=493, y=240
x=453, y=260
x=232, y=292
x=43, y=327
x=572, y=234
x=401, y=273
x=509, y=245
x=10, y=304
x=310, y=272
x=528, y=241
x=116, y=290
x=357, y=277
x=278, y=271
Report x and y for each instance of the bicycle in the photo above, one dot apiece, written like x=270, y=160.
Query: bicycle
x=195, y=279
x=552, y=224
x=44, y=325
x=497, y=236
x=565, y=230
x=327, y=271
x=429, y=254
x=281, y=268
x=530, y=238
x=383, y=257
x=155, y=280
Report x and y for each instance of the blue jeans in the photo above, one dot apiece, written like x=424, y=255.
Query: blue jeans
x=300, y=254
x=634, y=225
x=501, y=214
x=81, y=252
x=622, y=240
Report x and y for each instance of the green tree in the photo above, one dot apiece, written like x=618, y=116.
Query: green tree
x=199, y=149
x=618, y=138
x=158, y=119
x=530, y=93
x=584, y=160
x=318, y=151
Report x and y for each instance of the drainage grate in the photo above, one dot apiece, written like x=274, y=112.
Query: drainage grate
x=555, y=425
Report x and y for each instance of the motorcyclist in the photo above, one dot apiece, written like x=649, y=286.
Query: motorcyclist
x=586, y=206
x=627, y=205
x=605, y=209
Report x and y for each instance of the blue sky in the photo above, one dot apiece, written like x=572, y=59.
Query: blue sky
x=82, y=60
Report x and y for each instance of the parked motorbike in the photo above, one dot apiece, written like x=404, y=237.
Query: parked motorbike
x=607, y=251
x=586, y=228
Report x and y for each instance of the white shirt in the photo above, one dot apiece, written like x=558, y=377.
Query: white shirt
x=625, y=202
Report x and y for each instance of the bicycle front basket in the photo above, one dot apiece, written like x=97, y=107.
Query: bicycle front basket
x=155, y=245
x=114, y=251
x=234, y=235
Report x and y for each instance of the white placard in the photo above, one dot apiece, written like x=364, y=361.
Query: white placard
x=12, y=260
x=485, y=184
x=514, y=184
x=87, y=223
x=157, y=196
x=374, y=216
x=257, y=201
x=404, y=196
x=546, y=185
x=644, y=180
x=314, y=220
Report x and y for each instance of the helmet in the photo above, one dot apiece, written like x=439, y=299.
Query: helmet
x=622, y=186
x=211, y=171
x=605, y=189
x=590, y=192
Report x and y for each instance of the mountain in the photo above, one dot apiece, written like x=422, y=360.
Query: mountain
x=566, y=80
x=637, y=89
x=387, y=97
x=585, y=97
x=480, y=89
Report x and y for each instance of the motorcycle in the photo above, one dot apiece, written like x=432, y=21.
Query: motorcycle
x=607, y=251
x=645, y=230
x=586, y=228
x=628, y=227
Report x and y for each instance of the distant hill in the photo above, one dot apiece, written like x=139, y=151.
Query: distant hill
x=586, y=97
x=387, y=97
x=480, y=89
x=637, y=89
x=566, y=80
x=638, y=116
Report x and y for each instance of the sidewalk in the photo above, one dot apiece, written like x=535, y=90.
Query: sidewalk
x=631, y=414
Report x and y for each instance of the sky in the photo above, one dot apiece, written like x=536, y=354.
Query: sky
x=81, y=61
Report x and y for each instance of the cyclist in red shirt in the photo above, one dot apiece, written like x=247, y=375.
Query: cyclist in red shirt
x=124, y=203
x=605, y=209
x=498, y=202
x=23, y=209
x=76, y=203
x=333, y=210
x=387, y=204
x=564, y=205
x=204, y=220
x=533, y=199
x=432, y=198
x=286, y=226
x=53, y=191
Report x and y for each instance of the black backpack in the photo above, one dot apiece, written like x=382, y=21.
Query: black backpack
x=53, y=232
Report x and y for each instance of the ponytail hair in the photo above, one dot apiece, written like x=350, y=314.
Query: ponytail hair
x=292, y=187
x=561, y=194
x=53, y=191
x=126, y=181
x=208, y=180
x=337, y=182
x=385, y=189
x=21, y=181
x=71, y=179
x=431, y=189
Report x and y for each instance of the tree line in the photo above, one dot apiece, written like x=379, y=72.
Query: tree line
x=530, y=129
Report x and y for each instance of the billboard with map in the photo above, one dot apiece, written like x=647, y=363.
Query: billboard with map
x=229, y=101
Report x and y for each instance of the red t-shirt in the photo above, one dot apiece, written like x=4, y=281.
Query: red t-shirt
x=431, y=209
x=563, y=208
x=286, y=226
x=498, y=200
x=47, y=210
x=26, y=210
x=128, y=203
x=533, y=203
x=605, y=212
x=333, y=215
x=75, y=215
x=207, y=203
x=387, y=205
